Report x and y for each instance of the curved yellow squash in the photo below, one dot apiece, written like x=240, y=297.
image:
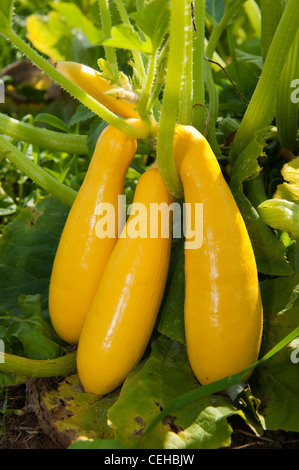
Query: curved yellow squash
x=92, y=83
x=223, y=309
x=123, y=314
x=81, y=255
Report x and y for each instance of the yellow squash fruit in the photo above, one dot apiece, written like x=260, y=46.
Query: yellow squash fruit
x=82, y=255
x=124, y=311
x=91, y=82
x=223, y=309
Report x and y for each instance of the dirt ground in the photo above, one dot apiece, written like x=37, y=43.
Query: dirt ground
x=20, y=429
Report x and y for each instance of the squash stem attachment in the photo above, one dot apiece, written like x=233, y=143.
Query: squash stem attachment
x=168, y=118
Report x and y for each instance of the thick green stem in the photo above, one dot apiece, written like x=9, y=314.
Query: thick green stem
x=175, y=67
x=106, y=28
x=34, y=368
x=217, y=31
x=287, y=110
x=199, y=114
x=43, y=138
x=253, y=13
x=76, y=91
x=186, y=96
x=261, y=109
x=41, y=177
x=271, y=12
x=146, y=91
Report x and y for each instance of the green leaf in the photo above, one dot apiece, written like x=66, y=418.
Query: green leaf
x=171, y=316
x=209, y=430
x=53, y=121
x=276, y=381
x=215, y=8
x=36, y=335
x=76, y=19
x=56, y=37
x=153, y=20
x=289, y=189
x=7, y=204
x=165, y=375
x=269, y=251
x=82, y=114
x=6, y=15
x=27, y=249
x=126, y=37
x=96, y=444
x=83, y=415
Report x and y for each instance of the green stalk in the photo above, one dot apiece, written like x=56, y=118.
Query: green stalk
x=230, y=11
x=146, y=91
x=261, y=109
x=186, y=96
x=271, y=12
x=41, y=177
x=198, y=120
x=253, y=13
x=35, y=368
x=136, y=54
x=43, y=138
x=76, y=91
x=286, y=110
x=168, y=118
x=110, y=53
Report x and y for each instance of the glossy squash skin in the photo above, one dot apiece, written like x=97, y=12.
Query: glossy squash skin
x=124, y=311
x=92, y=83
x=223, y=309
x=82, y=255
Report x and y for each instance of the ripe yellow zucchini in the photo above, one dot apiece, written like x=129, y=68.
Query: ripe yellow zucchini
x=91, y=82
x=81, y=255
x=123, y=314
x=223, y=309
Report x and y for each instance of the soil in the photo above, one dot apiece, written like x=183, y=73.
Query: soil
x=21, y=428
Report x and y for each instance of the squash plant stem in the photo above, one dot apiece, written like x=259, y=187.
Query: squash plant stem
x=77, y=92
x=261, y=109
x=168, y=118
x=43, y=138
x=34, y=368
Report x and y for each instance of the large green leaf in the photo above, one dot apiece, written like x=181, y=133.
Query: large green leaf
x=34, y=333
x=276, y=381
x=165, y=375
x=27, y=249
